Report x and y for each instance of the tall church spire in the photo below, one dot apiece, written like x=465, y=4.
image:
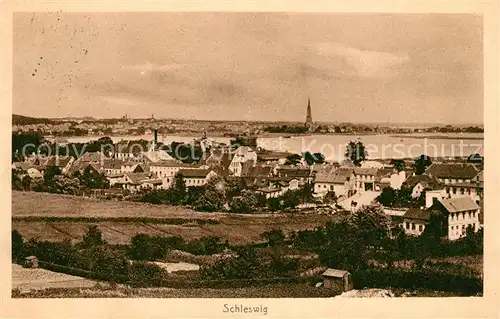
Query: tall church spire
x=309, y=122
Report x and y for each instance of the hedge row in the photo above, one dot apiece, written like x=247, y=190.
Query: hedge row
x=417, y=279
x=146, y=220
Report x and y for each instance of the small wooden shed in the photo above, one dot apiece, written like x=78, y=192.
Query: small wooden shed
x=340, y=280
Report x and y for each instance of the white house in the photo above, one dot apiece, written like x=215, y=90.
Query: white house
x=139, y=181
x=415, y=220
x=419, y=183
x=196, y=177
x=452, y=173
x=271, y=192
x=166, y=170
x=156, y=155
x=465, y=189
x=341, y=181
x=461, y=212
x=242, y=155
x=112, y=166
x=365, y=178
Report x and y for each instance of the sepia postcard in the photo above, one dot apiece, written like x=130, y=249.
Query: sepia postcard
x=275, y=159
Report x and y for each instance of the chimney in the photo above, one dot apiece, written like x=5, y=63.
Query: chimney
x=156, y=136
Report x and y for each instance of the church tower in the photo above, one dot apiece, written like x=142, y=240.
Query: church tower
x=309, y=122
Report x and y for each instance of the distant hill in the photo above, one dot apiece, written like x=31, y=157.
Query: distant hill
x=26, y=120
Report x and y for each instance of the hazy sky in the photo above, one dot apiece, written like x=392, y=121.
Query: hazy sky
x=357, y=68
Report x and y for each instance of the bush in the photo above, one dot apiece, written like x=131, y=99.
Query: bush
x=273, y=237
x=93, y=237
x=416, y=279
x=18, y=250
x=146, y=247
x=143, y=274
x=205, y=246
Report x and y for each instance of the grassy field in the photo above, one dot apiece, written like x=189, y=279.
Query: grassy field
x=276, y=291
x=31, y=212
x=40, y=279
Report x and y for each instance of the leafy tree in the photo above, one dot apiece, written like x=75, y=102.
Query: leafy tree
x=279, y=266
x=93, y=237
x=93, y=179
x=274, y=204
x=140, y=247
x=421, y=164
x=235, y=188
x=18, y=250
x=399, y=164
x=207, y=245
x=245, y=203
x=273, y=237
x=387, y=197
x=177, y=193
x=330, y=197
x=247, y=265
x=305, y=193
x=65, y=185
x=48, y=176
x=313, y=158
x=356, y=152
x=194, y=193
x=26, y=182
x=293, y=159
x=38, y=185
x=213, y=198
x=16, y=179
x=436, y=228
x=290, y=199
x=143, y=274
x=29, y=139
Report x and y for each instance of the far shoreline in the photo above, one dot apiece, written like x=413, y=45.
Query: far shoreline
x=285, y=135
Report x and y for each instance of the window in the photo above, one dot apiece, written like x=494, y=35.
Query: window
x=454, y=190
x=452, y=227
x=462, y=191
x=407, y=225
x=447, y=190
x=412, y=226
x=420, y=228
x=468, y=191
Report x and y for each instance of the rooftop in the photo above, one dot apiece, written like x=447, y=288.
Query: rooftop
x=194, y=173
x=335, y=273
x=417, y=213
x=452, y=171
x=459, y=204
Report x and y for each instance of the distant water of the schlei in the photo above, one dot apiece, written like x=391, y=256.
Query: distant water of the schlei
x=333, y=146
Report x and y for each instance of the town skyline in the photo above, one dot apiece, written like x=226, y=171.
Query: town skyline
x=369, y=68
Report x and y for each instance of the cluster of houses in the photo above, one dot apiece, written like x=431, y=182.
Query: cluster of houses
x=453, y=188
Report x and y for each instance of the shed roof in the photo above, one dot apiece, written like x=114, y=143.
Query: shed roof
x=417, y=213
x=335, y=273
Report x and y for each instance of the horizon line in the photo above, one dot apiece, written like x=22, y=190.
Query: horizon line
x=251, y=121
